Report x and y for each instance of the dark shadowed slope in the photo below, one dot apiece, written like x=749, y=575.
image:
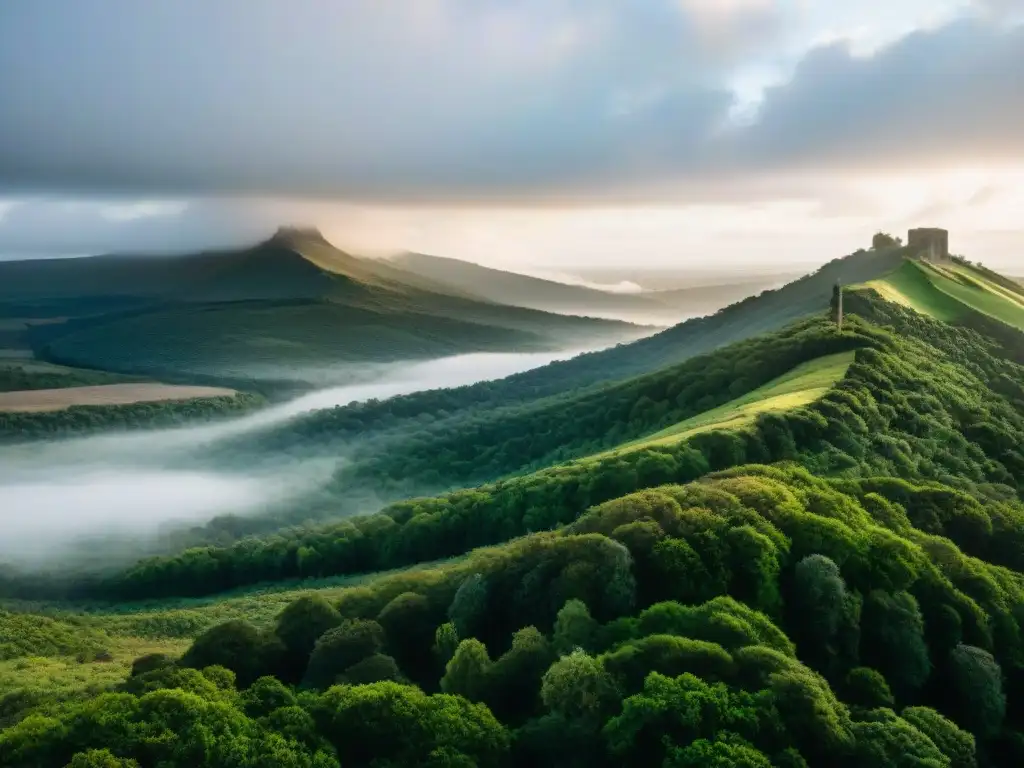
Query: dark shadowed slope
x=285, y=309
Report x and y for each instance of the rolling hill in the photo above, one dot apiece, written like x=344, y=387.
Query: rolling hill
x=805, y=548
x=288, y=309
x=662, y=307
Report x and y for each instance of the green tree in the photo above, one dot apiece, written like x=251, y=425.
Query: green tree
x=469, y=605
x=265, y=695
x=446, y=640
x=956, y=744
x=300, y=625
x=819, y=593
x=574, y=628
x=866, y=688
x=578, y=687
x=340, y=648
x=703, y=753
x=236, y=645
x=977, y=686
x=391, y=724
x=409, y=623
x=680, y=710
x=893, y=640
x=100, y=758
x=514, y=685
x=882, y=240
x=372, y=669
x=467, y=672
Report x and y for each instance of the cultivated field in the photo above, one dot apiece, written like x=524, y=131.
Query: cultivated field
x=36, y=400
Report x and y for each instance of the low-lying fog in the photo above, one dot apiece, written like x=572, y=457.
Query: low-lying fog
x=56, y=497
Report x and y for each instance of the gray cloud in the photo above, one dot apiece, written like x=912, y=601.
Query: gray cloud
x=468, y=101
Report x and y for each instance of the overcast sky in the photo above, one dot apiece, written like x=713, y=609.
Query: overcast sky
x=514, y=132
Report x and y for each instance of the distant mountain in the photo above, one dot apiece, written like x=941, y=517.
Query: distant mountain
x=526, y=291
x=663, y=307
x=289, y=308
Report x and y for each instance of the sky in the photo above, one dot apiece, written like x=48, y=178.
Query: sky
x=550, y=134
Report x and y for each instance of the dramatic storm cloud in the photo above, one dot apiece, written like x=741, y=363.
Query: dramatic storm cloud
x=455, y=99
x=537, y=131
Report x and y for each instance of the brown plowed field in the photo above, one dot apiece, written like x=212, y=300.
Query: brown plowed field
x=107, y=394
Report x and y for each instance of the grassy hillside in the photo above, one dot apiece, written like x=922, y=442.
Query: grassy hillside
x=801, y=386
x=949, y=292
x=286, y=309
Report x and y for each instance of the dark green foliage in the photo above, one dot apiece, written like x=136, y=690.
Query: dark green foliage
x=409, y=622
x=469, y=605
x=300, y=625
x=893, y=640
x=235, y=645
x=83, y=419
x=574, y=628
x=149, y=663
x=977, y=690
x=866, y=688
x=372, y=669
x=340, y=648
x=266, y=695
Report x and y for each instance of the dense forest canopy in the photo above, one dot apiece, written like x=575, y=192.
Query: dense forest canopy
x=834, y=584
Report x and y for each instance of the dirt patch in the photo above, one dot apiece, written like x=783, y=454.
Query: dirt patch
x=106, y=394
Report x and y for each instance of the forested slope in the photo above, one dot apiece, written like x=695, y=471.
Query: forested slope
x=768, y=311
x=838, y=584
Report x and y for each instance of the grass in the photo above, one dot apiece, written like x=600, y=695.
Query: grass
x=800, y=386
x=948, y=292
x=43, y=683
x=911, y=286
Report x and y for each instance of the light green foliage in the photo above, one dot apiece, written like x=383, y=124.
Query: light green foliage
x=956, y=744
x=467, y=672
x=100, y=758
x=446, y=641
x=723, y=621
x=716, y=754
x=681, y=710
x=396, y=723
x=668, y=655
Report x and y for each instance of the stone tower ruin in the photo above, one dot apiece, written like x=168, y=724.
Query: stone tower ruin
x=929, y=244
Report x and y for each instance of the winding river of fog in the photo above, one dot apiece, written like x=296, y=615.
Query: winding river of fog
x=56, y=495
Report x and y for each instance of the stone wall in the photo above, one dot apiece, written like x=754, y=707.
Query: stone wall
x=929, y=243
